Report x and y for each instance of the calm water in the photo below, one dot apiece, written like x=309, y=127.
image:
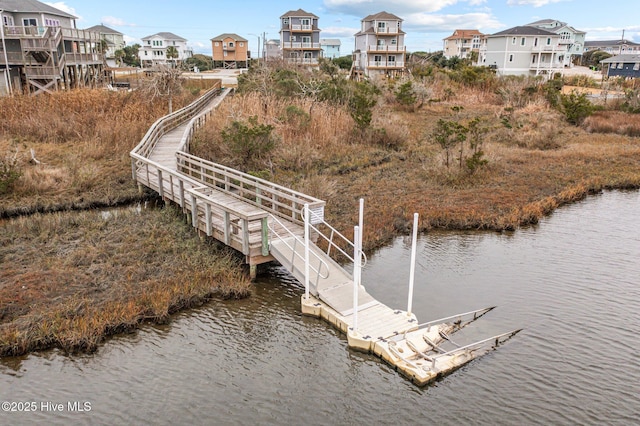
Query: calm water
x=572, y=283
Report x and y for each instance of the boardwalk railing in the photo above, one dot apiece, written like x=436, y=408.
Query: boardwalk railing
x=166, y=124
x=195, y=181
x=276, y=199
x=293, y=243
x=273, y=198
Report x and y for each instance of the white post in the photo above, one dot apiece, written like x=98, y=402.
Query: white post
x=361, y=222
x=356, y=275
x=413, y=262
x=306, y=251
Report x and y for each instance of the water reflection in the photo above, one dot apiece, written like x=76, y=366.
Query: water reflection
x=572, y=283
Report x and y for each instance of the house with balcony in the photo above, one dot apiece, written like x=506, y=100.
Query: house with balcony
x=113, y=40
x=230, y=51
x=300, y=37
x=155, y=47
x=330, y=47
x=569, y=36
x=42, y=50
x=462, y=43
x=524, y=50
x=379, y=47
x=613, y=47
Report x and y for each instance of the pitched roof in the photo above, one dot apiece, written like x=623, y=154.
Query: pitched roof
x=221, y=37
x=103, y=29
x=165, y=36
x=597, y=43
x=523, y=30
x=381, y=15
x=546, y=22
x=298, y=13
x=32, y=6
x=464, y=34
x=330, y=41
x=622, y=58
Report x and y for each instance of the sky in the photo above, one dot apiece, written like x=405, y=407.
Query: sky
x=426, y=22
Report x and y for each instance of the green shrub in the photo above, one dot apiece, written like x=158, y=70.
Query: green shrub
x=251, y=142
x=576, y=107
x=361, y=104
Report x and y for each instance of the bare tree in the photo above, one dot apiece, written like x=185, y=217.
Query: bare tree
x=165, y=83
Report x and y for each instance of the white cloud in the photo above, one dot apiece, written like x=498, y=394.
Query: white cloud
x=60, y=5
x=422, y=22
x=534, y=3
x=131, y=40
x=362, y=8
x=115, y=22
x=613, y=33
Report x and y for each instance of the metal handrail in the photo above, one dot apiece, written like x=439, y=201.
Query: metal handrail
x=476, y=314
x=299, y=240
x=329, y=239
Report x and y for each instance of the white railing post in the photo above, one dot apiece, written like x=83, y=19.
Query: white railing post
x=361, y=225
x=356, y=275
x=306, y=251
x=413, y=262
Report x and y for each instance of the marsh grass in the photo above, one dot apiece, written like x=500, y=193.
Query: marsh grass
x=69, y=279
x=82, y=139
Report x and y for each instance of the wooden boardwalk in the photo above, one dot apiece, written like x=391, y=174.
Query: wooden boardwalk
x=266, y=222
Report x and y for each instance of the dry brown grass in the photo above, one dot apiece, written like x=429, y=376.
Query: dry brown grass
x=613, y=122
x=82, y=139
x=535, y=166
x=69, y=279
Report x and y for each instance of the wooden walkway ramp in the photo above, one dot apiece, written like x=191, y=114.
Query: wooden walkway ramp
x=266, y=222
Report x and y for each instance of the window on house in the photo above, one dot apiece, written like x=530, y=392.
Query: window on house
x=285, y=22
x=216, y=44
x=382, y=26
x=549, y=41
x=241, y=44
x=513, y=40
x=535, y=42
x=30, y=22
x=306, y=22
x=391, y=59
x=533, y=59
x=510, y=58
x=522, y=41
x=8, y=21
x=394, y=42
x=377, y=58
x=230, y=44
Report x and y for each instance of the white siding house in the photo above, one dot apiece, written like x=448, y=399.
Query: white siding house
x=524, y=50
x=569, y=36
x=154, y=49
